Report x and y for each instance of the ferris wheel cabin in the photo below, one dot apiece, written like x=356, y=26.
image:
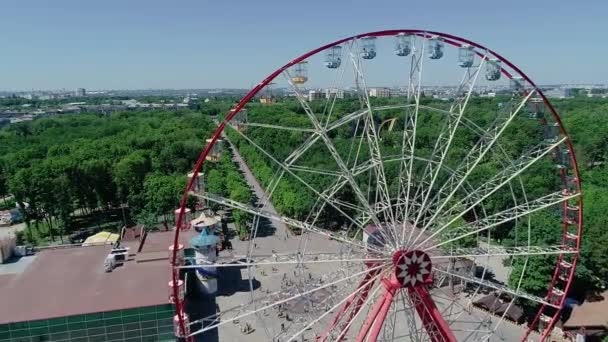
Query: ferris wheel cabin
x=435, y=48
x=333, y=57
x=299, y=73
x=240, y=119
x=368, y=47
x=403, y=44
x=517, y=83
x=551, y=132
x=198, y=184
x=176, y=325
x=181, y=291
x=185, y=224
x=493, y=70
x=216, y=150
x=466, y=56
x=535, y=108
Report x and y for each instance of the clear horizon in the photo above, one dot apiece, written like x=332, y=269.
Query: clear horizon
x=141, y=45
x=17, y=91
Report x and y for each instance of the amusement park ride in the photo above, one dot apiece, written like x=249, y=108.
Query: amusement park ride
x=401, y=239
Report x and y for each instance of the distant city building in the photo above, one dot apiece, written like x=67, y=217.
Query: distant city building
x=379, y=92
x=81, y=92
x=27, y=117
x=130, y=102
x=560, y=93
x=315, y=95
x=396, y=92
x=334, y=93
x=267, y=99
x=29, y=96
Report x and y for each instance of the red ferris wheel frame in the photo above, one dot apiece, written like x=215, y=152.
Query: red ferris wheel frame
x=432, y=321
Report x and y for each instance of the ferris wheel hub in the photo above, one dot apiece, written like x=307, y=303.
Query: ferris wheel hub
x=412, y=268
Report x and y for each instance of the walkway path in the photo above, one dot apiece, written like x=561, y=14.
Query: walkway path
x=281, y=228
x=282, y=240
x=270, y=278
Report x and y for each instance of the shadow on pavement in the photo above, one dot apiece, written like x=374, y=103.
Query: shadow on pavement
x=265, y=228
x=199, y=306
x=230, y=281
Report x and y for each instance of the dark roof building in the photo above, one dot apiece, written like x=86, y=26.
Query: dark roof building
x=589, y=319
x=501, y=305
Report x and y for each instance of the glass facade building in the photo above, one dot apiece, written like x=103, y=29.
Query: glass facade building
x=152, y=323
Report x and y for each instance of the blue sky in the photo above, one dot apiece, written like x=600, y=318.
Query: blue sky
x=203, y=44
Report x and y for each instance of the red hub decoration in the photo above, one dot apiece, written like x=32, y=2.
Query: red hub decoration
x=412, y=268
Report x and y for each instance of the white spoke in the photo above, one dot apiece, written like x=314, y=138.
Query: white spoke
x=262, y=125
x=346, y=172
x=294, y=156
x=448, y=313
x=410, y=316
x=365, y=304
x=408, y=140
x=466, y=122
x=289, y=171
x=498, y=181
x=461, y=101
x=251, y=312
x=496, y=286
x=497, y=251
x=284, y=219
x=330, y=192
x=299, y=152
x=313, y=322
x=501, y=217
x=471, y=160
x=314, y=170
x=374, y=148
x=358, y=114
x=443, y=143
x=337, y=81
x=201, y=262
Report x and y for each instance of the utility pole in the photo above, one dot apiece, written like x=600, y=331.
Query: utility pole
x=124, y=218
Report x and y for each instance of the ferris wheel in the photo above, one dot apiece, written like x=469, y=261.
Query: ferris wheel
x=424, y=231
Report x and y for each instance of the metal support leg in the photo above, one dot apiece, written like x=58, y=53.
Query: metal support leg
x=388, y=300
x=360, y=296
x=432, y=321
x=371, y=318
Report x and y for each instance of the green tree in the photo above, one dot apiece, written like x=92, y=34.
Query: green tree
x=162, y=194
x=147, y=219
x=129, y=175
x=3, y=182
x=545, y=230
